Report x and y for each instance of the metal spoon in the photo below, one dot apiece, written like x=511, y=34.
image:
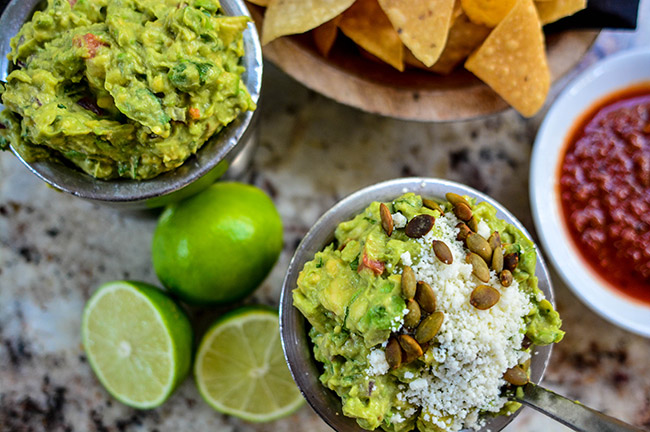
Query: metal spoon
x=570, y=413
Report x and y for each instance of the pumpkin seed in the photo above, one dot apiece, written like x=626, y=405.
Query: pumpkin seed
x=419, y=226
x=393, y=353
x=484, y=297
x=409, y=284
x=497, y=259
x=506, y=278
x=443, y=252
x=429, y=327
x=425, y=297
x=511, y=261
x=494, y=240
x=463, y=231
x=516, y=376
x=463, y=212
x=456, y=199
x=431, y=204
x=412, y=350
x=477, y=244
x=479, y=267
x=473, y=224
x=386, y=219
x=412, y=318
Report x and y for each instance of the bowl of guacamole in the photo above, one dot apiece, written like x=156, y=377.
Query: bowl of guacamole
x=417, y=304
x=127, y=100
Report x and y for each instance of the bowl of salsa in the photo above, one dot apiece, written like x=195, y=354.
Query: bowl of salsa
x=590, y=188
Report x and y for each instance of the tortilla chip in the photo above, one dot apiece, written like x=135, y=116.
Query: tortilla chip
x=259, y=2
x=422, y=25
x=487, y=12
x=458, y=11
x=552, y=10
x=512, y=60
x=368, y=26
x=464, y=37
x=285, y=17
x=325, y=35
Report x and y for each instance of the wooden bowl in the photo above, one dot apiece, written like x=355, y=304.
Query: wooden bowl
x=351, y=79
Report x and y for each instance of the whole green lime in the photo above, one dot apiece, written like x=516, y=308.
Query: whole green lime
x=219, y=245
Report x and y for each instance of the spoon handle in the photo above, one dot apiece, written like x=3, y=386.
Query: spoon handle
x=572, y=414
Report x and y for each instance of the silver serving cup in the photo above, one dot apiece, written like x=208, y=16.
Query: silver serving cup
x=230, y=149
x=294, y=327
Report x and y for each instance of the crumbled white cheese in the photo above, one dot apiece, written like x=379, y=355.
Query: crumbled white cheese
x=399, y=220
x=408, y=375
x=483, y=229
x=473, y=347
x=377, y=364
x=397, y=418
x=406, y=258
x=398, y=321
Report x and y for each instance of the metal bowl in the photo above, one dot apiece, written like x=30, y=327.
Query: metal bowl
x=210, y=162
x=294, y=327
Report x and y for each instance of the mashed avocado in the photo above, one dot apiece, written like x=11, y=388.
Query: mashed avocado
x=351, y=295
x=123, y=88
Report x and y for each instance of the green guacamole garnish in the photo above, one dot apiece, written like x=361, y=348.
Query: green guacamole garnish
x=123, y=88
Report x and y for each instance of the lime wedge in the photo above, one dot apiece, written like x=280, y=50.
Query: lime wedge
x=240, y=369
x=138, y=342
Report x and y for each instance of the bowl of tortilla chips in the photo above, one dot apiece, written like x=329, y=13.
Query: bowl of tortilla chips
x=427, y=60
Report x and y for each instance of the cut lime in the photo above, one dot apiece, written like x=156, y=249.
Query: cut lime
x=240, y=369
x=138, y=342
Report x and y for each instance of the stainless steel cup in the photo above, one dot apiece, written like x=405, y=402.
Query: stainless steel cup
x=231, y=148
x=294, y=327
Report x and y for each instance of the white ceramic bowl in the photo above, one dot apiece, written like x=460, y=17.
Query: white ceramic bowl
x=603, y=78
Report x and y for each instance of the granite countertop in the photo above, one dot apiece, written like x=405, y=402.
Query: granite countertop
x=56, y=249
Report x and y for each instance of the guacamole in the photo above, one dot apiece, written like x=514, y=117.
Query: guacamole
x=123, y=88
x=444, y=377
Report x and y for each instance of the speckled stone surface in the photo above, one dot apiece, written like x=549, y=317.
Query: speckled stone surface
x=56, y=249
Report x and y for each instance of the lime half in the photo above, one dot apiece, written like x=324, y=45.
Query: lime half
x=138, y=342
x=240, y=369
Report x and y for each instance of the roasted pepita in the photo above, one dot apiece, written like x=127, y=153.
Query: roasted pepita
x=431, y=204
x=506, y=278
x=510, y=261
x=429, y=327
x=463, y=212
x=412, y=318
x=386, y=219
x=425, y=297
x=484, y=297
x=479, y=267
x=393, y=353
x=412, y=350
x=516, y=376
x=494, y=240
x=497, y=259
x=419, y=226
x=442, y=251
x=473, y=224
x=477, y=244
x=409, y=284
x=463, y=231
x=456, y=199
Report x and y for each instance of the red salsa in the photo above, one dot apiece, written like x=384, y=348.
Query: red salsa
x=605, y=190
